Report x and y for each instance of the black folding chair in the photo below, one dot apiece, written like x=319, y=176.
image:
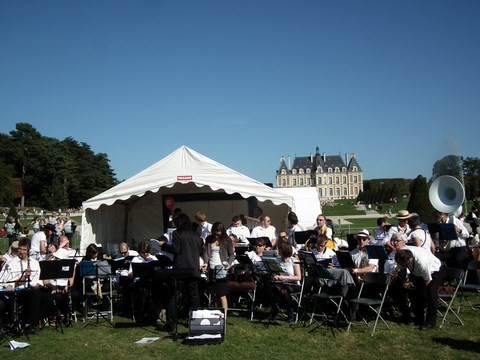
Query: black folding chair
x=374, y=283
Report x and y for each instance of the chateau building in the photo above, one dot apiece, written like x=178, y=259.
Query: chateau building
x=334, y=176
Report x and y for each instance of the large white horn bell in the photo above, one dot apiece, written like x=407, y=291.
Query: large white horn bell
x=446, y=194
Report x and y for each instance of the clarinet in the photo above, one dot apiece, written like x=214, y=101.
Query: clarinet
x=28, y=271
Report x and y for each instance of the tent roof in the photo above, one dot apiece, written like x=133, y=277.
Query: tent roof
x=185, y=165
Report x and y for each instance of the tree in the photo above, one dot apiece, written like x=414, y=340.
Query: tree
x=419, y=201
x=54, y=173
x=448, y=165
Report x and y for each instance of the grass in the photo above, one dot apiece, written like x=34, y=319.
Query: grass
x=259, y=339
x=256, y=339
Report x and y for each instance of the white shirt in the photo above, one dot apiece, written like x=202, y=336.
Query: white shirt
x=460, y=237
x=13, y=270
x=395, y=229
x=242, y=233
x=37, y=238
x=269, y=232
x=204, y=230
x=423, y=235
x=379, y=237
x=424, y=262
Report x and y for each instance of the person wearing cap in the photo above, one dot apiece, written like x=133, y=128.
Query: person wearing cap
x=402, y=227
x=40, y=241
x=360, y=257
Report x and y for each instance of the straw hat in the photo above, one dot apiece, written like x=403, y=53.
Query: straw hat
x=403, y=215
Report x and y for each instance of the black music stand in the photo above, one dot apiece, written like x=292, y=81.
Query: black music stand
x=240, y=250
x=253, y=240
x=303, y=237
x=377, y=252
x=54, y=270
x=345, y=259
x=352, y=242
x=175, y=274
x=164, y=261
x=120, y=263
x=244, y=260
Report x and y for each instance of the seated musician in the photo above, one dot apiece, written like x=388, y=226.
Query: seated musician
x=342, y=280
x=124, y=251
x=145, y=290
x=22, y=276
x=10, y=254
x=58, y=288
x=360, y=257
x=286, y=282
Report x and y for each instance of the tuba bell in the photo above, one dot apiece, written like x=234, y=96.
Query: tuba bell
x=446, y=194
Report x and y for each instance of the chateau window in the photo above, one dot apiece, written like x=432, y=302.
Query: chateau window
x=309, y=181
x=329, y=170
x=355, y=191
x=355, y=179
x=337, y=169
x=337, y=180
x=294, y=182
x=283, y=172
x=319, y=181
x=345, y=193
x=330, y=180
x=301, y=182
x=320, y=192
x=294, y=171
x=284, y=182
x=355, y=168
x=309, y=171
x=300, y=171
x=344, y=179
x=344, y=169
x=337, y=190
x=330, y=191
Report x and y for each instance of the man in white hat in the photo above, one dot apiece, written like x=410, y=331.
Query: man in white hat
x=401, y=227
x=359, y=254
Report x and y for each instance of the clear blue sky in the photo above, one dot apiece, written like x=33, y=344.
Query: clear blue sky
x=245, y=82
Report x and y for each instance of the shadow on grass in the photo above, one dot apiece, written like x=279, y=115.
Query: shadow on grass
x=467, y=345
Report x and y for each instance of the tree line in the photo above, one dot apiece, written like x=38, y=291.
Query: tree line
x=50, y=173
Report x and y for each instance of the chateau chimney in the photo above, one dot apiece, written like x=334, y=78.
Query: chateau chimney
x=289, y=168
x=324, y=157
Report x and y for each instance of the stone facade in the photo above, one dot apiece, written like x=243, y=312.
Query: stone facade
x=334, y=176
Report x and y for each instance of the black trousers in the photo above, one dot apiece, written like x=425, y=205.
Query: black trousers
x=427, y=296
x=187, y=287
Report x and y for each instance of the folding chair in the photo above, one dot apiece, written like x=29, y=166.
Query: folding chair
x=324, y=295
x=242, y=284
x=470, y=284
x=454, y=278
x=377, y=283
x=97, y=291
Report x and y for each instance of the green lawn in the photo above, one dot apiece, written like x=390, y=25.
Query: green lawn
x=257, y=339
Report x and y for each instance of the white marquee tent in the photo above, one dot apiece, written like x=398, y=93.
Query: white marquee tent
x=138, y=208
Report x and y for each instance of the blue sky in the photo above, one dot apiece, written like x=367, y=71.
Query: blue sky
x=245, y=82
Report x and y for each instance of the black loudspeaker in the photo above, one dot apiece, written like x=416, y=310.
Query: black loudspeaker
x=206, y=326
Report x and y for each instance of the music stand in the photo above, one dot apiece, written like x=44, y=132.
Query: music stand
x=120, y=263
x=377, y=252
x=252, y=241
x=352, y=242
x=54, y=270
x=345, y=259
x=244, y=260
x=445, y=232
x=144, y=270
x=164, y=261
x=272, y=265
x=240, y=250
x=302, y=237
